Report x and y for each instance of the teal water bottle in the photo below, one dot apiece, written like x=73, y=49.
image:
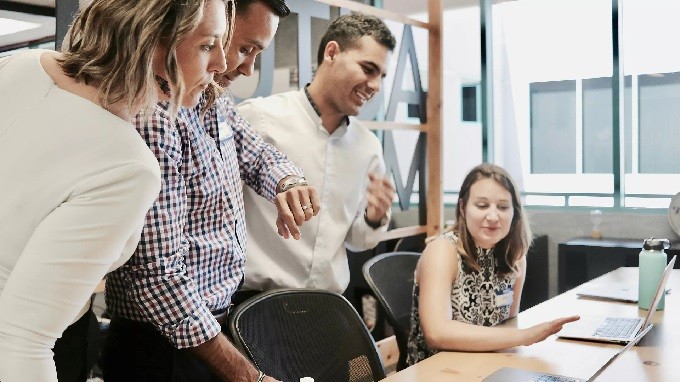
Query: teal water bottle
x=652, y=264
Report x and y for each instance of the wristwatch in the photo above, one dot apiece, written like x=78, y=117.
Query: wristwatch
x=375, y=225
x=292, y=181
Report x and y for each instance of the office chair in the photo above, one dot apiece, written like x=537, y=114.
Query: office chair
x=414, y=243
x=390, y=276
x=294, y=333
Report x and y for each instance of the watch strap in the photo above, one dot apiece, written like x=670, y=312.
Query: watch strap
x=292, y=181
x=375, y=225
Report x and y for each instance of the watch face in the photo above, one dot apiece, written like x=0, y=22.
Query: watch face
x=293, y=181
x=674, y=213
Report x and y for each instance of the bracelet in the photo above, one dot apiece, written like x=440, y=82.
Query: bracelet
x=260, y=377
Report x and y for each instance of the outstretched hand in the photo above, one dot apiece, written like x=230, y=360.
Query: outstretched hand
x=295, y=206
x=538, y=333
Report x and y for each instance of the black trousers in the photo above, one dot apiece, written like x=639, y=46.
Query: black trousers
x=138, y=352
x=242, y=295
x=76, y=351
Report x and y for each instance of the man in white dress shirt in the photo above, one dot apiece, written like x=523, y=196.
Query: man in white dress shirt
x=341, y=158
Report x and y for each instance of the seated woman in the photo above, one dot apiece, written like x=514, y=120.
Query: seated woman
x=470, y=278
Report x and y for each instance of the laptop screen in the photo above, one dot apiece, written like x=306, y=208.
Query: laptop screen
x=629, y=345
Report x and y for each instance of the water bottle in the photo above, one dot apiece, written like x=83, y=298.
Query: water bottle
x=652, y=264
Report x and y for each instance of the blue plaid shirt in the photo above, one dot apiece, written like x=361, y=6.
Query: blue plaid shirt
x=191, y=257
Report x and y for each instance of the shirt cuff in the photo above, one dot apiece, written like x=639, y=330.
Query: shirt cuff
x=194, y=330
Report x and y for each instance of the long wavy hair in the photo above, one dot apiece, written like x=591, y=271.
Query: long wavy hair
x=513, y=246
x=111, y=45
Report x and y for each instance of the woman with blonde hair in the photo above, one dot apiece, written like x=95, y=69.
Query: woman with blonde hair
x=470, y=278
x=76, y=178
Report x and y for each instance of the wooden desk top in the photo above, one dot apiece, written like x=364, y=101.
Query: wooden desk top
x=655, y=358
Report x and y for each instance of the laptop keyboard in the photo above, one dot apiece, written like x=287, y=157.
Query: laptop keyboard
x=554, y=378
x=617, y=327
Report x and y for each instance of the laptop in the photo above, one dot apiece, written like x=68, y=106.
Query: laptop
x=613, y=292
x=509, y=374
x=616, y=329
x=621, y=292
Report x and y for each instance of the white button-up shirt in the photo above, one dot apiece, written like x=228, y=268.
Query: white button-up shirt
x=337, y=165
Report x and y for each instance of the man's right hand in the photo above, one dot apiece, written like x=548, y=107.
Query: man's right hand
x=226, y=362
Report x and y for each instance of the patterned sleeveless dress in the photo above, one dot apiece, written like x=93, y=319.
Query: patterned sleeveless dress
x=473, y=300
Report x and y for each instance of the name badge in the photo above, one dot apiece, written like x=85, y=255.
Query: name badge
x=504, y=298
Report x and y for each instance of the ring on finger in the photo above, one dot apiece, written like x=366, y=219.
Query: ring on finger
x=306, y=207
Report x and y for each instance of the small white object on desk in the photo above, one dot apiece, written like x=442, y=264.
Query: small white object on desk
x=306, y=379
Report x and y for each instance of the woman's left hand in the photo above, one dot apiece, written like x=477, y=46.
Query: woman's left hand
x=540, y=332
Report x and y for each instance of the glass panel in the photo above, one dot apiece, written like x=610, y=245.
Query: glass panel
x=461, y=136
x=650, y=30
x=541, y=57
x=553, y=127
x=597, y=125
x=659, y=118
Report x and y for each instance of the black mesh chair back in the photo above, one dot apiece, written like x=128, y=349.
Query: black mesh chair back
x=390, y=276
x=414, y=243
x=294, y=333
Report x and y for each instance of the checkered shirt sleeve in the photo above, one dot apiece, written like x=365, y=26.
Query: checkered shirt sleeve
x=154, y=286
x=262, y=166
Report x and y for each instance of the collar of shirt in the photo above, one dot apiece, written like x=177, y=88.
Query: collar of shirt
x=316, y=108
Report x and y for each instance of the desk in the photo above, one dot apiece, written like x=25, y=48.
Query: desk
x=661, y=346
x=582, y=259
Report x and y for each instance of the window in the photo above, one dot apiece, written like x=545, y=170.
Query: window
x=553, y=105
x=470, y=96
x=556, y=101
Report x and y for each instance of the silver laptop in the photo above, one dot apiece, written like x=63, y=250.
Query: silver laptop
x=614, y=292
x=508, y=374
x=616, y=329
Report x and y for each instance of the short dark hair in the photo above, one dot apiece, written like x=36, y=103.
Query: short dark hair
x=348, y=29
x=279, y=7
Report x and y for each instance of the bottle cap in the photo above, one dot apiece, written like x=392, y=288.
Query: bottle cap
x=653, y=244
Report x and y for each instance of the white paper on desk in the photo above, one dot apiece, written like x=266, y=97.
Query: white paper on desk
x=9, y=26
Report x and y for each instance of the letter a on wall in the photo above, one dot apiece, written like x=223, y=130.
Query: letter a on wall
x=412, y=97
